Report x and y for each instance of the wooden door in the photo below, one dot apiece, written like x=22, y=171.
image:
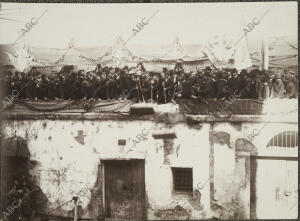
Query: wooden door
x=125, y=189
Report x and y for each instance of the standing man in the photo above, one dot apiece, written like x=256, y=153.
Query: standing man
x=277, y=87
x=178, y=66
x=186, y=87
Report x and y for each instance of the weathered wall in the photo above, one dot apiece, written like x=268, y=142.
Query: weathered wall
x=232, y=150
x=66, y=154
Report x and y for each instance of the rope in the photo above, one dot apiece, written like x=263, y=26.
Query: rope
x=60, y=107
x=256, y=59
x=284, y=58
x=62, y=58
x=283, y=65
x=294, y=47
x=60, y=206
x=85, y=57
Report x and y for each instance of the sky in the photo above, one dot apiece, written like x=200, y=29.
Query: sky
x=102, y=24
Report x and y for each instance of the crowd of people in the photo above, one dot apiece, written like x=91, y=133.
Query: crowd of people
x=112, y=83
x=19, y=196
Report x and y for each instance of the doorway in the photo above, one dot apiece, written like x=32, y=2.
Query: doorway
x=274, y=188
x=124, y=189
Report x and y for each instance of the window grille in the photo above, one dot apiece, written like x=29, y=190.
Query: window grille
x=286, y=139
x=183, y=179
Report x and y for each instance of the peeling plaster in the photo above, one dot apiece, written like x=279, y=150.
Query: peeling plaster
x=221, y=137
x=236, y=125
x=196, y=200
x=168, y=150
x=178, y=213
x=80, y=137
x=189, y=149
x=44, y=125
x=242, y=144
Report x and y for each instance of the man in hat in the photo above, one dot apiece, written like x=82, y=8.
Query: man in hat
x=251, y=90
x=195, y=81
x=109, y=83
x=140, y=68
x=8, y=82
x=17, y=81
x=98, y=68
x=52, y=87
x=243, y=83
x=169, y=85
x=207, y=70
x=162, y=96
x=264, y=86
x=220, y=85
x=177, y=88
x=23, y=85
x=138, y=78
x=130, y=90
x=293, y=77
x=178, y=66
x=146, y=86
x=122, y=83
x=155, y=86
x=207, y=87
x=44, y=87
x=165, y=72
x=3, y=86
x=290, y=88
x=69, y=85
x=29, y=90
x=59, y=83
x=277, y=90
x=101, y=80
x=160, y=86
x=234, y=82
x=186, y=86
x=77, y=90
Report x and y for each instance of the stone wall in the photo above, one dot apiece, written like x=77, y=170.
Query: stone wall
x=65, y=160
x=66, y=156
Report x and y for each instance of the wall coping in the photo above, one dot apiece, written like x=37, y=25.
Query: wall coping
x=159, y=117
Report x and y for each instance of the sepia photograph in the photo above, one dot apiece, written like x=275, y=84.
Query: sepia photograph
x=124, y=110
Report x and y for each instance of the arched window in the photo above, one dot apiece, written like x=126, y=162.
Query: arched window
x=285, y=139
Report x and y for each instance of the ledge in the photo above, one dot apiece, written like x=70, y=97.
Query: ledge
x=281, y=111
x=192, y=119
x=274, y=118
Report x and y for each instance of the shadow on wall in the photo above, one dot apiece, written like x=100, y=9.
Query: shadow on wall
x=16, y=180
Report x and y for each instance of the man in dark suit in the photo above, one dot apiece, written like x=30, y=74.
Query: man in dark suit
x=186, y=86
x=254, y=84
x=169, y=86
x=234, y=83
x=220, y=85
x=207, y=88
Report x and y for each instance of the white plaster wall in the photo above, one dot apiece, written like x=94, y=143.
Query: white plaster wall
x=68, y=160
x=228, y=175
x=193, y=152
x=276, y=189
x=69, y=152
x=267, y=131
